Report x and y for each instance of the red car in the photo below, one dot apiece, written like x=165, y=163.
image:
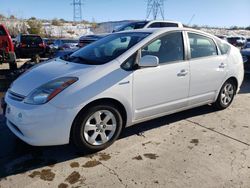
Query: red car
x=7, y=53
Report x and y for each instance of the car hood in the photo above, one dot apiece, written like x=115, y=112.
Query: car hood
x=45, y=72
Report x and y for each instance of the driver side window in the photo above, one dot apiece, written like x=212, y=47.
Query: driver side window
x=168, y=48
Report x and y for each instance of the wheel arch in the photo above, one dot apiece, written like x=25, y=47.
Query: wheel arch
x=234, y=80
x=106, y=101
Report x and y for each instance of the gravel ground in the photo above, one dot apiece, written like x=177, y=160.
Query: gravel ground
x=195, y=148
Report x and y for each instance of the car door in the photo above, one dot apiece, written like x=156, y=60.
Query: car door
x=207, y=68
x=162, y=89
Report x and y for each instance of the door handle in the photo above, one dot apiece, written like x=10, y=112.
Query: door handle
x=183, y=72
x=222, y=65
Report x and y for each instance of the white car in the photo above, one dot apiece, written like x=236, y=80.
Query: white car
x=120, y=80
x=148, y=24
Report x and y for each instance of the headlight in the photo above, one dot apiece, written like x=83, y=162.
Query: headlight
x=49, y=90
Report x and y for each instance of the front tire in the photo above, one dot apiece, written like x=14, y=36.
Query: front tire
x=226, y=95
x=96, y=128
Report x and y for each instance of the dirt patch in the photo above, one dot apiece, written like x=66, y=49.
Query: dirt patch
x=63, y=185
x=137, y=158
x=194, y=141
x=91, y=163
x=190, y=147
x=150, y=155
x=44, y=174
x=73, y=178
x=74, y=165
x=104, y=157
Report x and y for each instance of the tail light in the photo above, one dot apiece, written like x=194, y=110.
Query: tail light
x=42, y=45
x=23, y=45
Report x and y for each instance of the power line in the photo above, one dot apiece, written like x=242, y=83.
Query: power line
x=155, y=8
x=77, y=10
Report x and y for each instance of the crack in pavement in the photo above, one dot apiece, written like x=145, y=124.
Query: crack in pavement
x=227, y=136
x=234, y=157
x=112, y=171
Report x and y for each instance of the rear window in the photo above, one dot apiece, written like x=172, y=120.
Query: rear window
x=2, y=31
x=69, y=41
x=31, y=39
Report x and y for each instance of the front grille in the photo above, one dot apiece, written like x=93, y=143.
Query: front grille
x=15, y=96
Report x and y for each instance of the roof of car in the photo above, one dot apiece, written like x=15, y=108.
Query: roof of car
x=164, y=29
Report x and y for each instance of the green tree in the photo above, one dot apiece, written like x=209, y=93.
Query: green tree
x=35, y=27
x=2, y=16
x=248, y=28
x=12, y=17
x=56, y=22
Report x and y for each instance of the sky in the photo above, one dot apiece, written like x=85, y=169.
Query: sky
x=219, y=13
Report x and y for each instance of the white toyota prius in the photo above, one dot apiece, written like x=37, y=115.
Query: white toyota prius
x=125, y=78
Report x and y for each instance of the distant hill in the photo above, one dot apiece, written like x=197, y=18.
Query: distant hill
x=65, y=29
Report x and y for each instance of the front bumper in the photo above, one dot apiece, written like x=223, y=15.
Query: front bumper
x=39, y=125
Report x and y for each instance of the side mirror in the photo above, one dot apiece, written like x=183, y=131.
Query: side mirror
x=149, y=61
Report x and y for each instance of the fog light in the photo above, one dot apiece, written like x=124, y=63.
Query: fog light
x=20, y=115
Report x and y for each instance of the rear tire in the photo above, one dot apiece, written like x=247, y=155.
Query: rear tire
x=226, y=95
x=12, y=61
x=96, y=128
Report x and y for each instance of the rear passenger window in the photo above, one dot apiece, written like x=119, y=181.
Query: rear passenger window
x=223, y=46
x=155, y=25
x=201, y=46
x=163, y=24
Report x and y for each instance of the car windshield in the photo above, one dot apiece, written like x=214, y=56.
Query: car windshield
x=31, y=39
x=106, y=49
x=131, y=26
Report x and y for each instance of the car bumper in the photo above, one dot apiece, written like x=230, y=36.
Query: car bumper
x=39, y=125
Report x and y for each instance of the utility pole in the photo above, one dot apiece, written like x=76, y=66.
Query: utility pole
x=77, y=10
x=155, y=7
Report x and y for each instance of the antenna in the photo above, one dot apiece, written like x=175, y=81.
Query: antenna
x=155, y=7
x=191, y=19
x=77, y=10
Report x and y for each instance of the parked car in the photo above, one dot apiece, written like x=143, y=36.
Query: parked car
x=120, y=80
x=48, y=42
x=237, y=41
x=7, y=53
x=61, y=44
x=28, y=46
x=223, y=37
x=245, y=52
x=87, y=39
x=148, y=24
